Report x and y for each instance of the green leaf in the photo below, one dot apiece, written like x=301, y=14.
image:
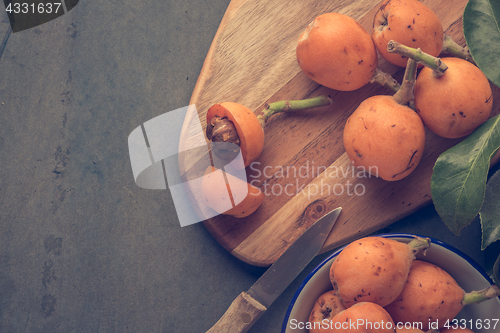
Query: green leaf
x=459, y=176
x=496, y=272
x=481, y=20
x=490, y=211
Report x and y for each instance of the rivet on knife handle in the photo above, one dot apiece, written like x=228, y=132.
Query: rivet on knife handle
x=240, y=316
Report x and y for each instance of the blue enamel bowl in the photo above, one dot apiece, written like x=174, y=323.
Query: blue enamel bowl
x=468, y=274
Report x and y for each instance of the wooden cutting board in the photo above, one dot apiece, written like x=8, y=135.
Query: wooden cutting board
x=303, y=169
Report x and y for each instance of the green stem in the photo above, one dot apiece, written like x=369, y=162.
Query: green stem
x=424, y=58
x=386, y=80
x=418, y=244
x=450, y=47
x=293, y=105
x=481, y=295
x=405, y=94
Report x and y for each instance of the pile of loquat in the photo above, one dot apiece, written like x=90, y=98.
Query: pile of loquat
x=379, y=287
x=449, y=96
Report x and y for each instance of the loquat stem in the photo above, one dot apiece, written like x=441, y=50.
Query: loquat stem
x=293, y=105
x=481, y=295
x=450, y=47
x=426, y=59
x=386, y=80
x=419, y=244
x=405, y=94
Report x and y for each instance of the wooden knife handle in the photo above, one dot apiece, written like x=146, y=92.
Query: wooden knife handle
x=240, y=316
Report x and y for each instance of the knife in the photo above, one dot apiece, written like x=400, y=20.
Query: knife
x=247, y=308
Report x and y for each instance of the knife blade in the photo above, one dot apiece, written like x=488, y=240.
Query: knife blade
x=247, y=308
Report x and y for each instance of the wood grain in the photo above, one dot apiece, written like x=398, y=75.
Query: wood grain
x=303, y=169
x=243, y=312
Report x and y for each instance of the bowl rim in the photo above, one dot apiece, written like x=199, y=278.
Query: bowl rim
x=471, y=261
